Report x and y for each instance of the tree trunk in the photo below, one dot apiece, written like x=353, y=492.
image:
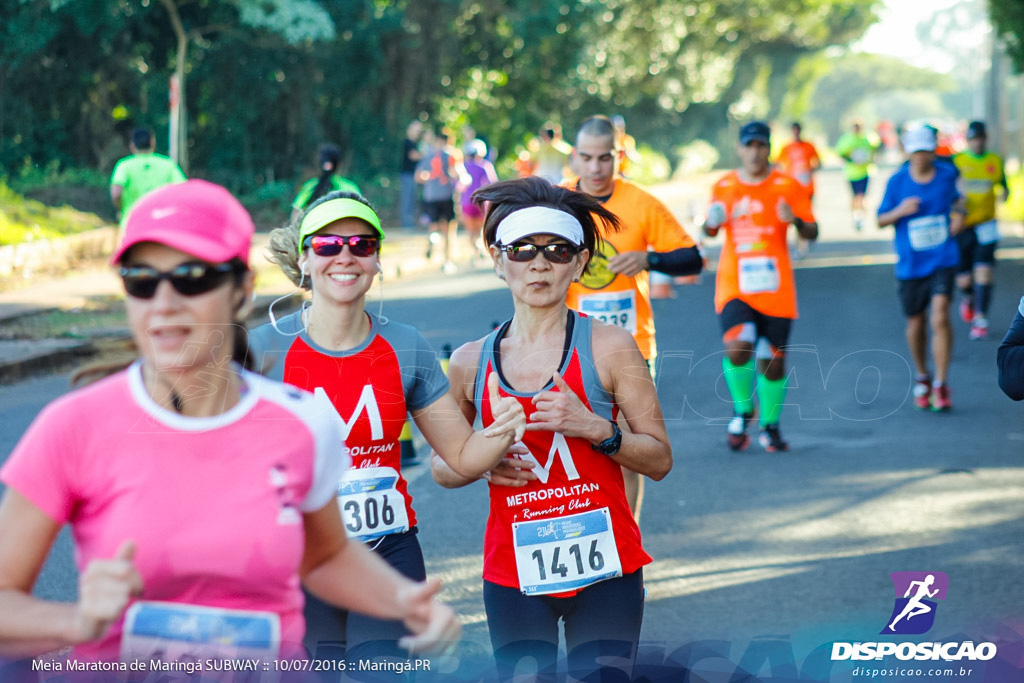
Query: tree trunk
x=179, y=114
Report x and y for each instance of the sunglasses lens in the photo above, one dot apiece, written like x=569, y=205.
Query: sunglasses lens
x=331, y=245
x=197, y=278
x=326, y=245
x=140, y=283
x=188, y=279
x=559, y=253
x=362, y=246
x=521, y=252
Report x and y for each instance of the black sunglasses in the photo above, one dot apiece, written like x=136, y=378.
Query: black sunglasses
x=331, y=245
x=558, y=252
x=188, y=279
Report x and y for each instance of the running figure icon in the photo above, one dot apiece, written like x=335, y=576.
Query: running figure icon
x=915, y=606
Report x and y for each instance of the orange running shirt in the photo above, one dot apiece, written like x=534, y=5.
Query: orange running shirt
x=754, y=265
x=615, y=298
x=799, y=159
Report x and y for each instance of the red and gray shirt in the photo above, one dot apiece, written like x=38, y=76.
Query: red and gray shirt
x=370, y=389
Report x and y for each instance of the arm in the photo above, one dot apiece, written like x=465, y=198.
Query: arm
x=907, y=207
x=467, y=452
x=1010, y=359
x=685, y=261
x=645, y=446
x=806, y=229
x=347, y=574
x=509, y=471
x=30, y=626
x=116, y=193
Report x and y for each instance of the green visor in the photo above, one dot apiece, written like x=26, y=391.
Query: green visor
x=335, y=209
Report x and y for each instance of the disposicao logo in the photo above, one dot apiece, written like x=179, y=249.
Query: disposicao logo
x=913, y=613
x=914, y=610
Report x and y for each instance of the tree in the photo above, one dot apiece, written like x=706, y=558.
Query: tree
x=1008, y=19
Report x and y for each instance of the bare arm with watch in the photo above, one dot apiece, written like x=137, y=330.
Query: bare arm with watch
x=644, y=445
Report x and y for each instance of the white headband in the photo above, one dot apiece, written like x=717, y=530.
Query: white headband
x=538, y=220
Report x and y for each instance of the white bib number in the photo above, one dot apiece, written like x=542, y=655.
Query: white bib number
x=565, y=553
x=860, y=156
x=371, y=505
x=614, y=308
x=169, y=631
x=758, y=274
x=987, y=232
x=927, y=232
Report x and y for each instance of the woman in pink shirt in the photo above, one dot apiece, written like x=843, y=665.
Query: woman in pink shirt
x=199, y=494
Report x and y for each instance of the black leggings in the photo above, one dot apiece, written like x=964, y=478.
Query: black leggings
x=602, y=624
x=333, y=633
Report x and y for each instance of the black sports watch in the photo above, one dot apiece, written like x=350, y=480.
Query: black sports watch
x=611, y=445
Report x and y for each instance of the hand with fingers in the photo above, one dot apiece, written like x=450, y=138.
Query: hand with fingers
x=508, y=414
x=104, y=591
x=512, y=471
x=561, y=410
x=435, y=627
x=629, y=263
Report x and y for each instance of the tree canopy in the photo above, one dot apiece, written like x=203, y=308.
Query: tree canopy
x=265, y=81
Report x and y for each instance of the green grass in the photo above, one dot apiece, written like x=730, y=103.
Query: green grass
x=26, y=220
x=101, y=315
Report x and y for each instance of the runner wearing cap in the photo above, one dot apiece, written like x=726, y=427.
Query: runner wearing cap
x=799, y=159
x=374, y=372
x=563, y=547
x=755, y=291
x=616, y=286
x=923, y=203
x=980, y=172
x=198, y=493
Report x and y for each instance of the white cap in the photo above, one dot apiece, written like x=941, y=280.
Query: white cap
x=919, y=140
x=538, y=220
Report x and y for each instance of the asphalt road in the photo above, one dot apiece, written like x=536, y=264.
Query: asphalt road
x=763, y=560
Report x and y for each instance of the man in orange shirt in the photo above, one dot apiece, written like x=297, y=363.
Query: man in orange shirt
x=755, y=292
x=800, y=160
x=615, y=288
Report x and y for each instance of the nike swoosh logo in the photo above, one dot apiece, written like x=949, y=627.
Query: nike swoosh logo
x=157, y=214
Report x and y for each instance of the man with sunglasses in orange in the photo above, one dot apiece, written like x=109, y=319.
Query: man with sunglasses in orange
x=616, y=287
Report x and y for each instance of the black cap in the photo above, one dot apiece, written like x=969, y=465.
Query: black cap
x=755, y=130
x=976, y=129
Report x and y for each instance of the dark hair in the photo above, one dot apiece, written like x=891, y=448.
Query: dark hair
x=330, y=158
x=508, y=196
x=142, y=138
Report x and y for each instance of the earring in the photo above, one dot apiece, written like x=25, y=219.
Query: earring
x=501, y=276
x=575, y=279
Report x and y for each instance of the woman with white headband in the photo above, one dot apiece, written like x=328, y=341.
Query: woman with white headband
x=564, y=546
x=374, y=373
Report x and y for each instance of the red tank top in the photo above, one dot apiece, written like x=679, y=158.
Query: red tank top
x=572, y=527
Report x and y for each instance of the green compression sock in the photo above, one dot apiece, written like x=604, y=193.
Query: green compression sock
x=740, y=380
x=771, y=393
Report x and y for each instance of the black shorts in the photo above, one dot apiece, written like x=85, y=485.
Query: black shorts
x=443, y=210
x=915, y=295
x=972, y=253
x=859, y=187
x=755, y=327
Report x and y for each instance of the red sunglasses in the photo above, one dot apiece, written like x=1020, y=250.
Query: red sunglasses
x=331, y=245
